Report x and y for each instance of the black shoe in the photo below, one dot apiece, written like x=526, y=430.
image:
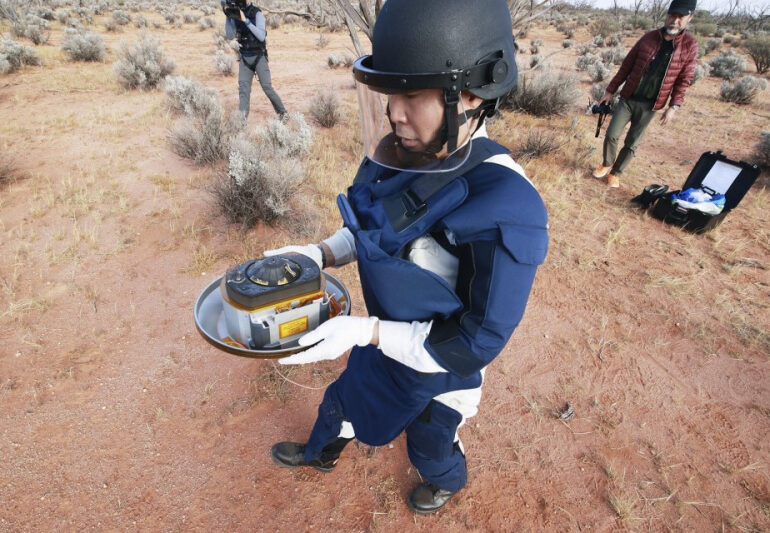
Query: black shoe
x=292, y=454
x=427, y=498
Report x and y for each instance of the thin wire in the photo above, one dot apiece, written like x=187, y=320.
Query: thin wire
x=299, y=384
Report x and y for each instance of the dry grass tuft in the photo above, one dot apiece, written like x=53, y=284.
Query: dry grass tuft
x=623, y=506
x=8, y=172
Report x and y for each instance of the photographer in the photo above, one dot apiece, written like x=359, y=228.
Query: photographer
x=659, y=66
x=246, y=23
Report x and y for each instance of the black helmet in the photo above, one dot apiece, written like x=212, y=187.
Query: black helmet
x=453, y=45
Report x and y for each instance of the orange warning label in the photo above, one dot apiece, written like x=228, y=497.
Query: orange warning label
x=292, y=327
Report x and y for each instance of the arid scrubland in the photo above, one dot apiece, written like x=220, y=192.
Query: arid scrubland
x=126, y=186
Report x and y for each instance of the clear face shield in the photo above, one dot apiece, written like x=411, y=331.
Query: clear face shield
x=412, y=130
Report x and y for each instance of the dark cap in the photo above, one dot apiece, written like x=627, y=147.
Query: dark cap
x=682, y=7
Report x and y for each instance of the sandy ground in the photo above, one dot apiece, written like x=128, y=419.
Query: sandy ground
x=116, y=415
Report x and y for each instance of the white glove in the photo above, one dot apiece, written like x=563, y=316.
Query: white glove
x=337, y=336
x=310, y=250
x=405, y=342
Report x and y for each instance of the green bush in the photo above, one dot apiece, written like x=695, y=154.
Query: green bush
x=728, y=65
x=743, y=91
x=144, y=65
x=758, y=49
x=605, y=26
x=703, y=28
x=14, y=55
x=264, y=173
x=86, y=46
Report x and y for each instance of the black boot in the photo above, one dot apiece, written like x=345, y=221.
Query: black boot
x=292, y=454
x=427, y=498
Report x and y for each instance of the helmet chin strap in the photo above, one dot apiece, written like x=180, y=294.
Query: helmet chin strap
x=450, y=128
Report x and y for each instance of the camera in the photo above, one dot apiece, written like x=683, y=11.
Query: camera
x=601, y=109
x=233, y=8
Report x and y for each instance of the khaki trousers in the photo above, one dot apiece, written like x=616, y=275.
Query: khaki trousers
x=639, y=114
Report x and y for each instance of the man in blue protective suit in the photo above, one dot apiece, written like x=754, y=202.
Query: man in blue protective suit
x=250, y=31
x=447, y=232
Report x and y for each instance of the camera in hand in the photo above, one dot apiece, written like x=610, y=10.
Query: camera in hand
x=233, y=8
x=601, y=109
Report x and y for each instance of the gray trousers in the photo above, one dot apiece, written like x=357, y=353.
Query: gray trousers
x=246, y=76
x=639, y=114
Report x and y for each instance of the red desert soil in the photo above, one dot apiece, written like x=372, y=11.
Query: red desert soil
x=116, y=415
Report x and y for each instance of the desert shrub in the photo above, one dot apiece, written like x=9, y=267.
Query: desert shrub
x=743, y=91
x=585, y=48
x=544, y=95
x=140, y=21
x=322, y=41
x=534, y=46
x=86, y=46
x=642, y=22
x=291, y=137
x=171, y=17
x=586, y=60
x=37, y=33
x=110, y=25
x=728, y=65
x=143, y=65
x=224, y=64
x=220, y=41
x=701, y=71
x=598, y=72
x=190, y=18
x=205, y=134
x=758, y=49
x=613, y=56
x=703, y=28
x=728, y=39
x=762, y=150
x=598, y=41
x=567, y=43
x=597, y=91
x=536, y=62
x=205, y=139
x=335, y=61
x=259, y=184
x=14, y=55
x=190, y=97
x=45, y=13
x=273, y=21
x=711, y=45
x=63, y=16
x=604, y=27
x=206, y=23
x=207, y=10
x=325, y=109
x=8, y=171
x=84, y=14
x=536, y=144
x=614, y=40
x=121, y=18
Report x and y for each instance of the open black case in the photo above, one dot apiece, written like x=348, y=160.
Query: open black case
x=718, y=173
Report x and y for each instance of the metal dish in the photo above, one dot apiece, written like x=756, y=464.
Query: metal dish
x=210, y=320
